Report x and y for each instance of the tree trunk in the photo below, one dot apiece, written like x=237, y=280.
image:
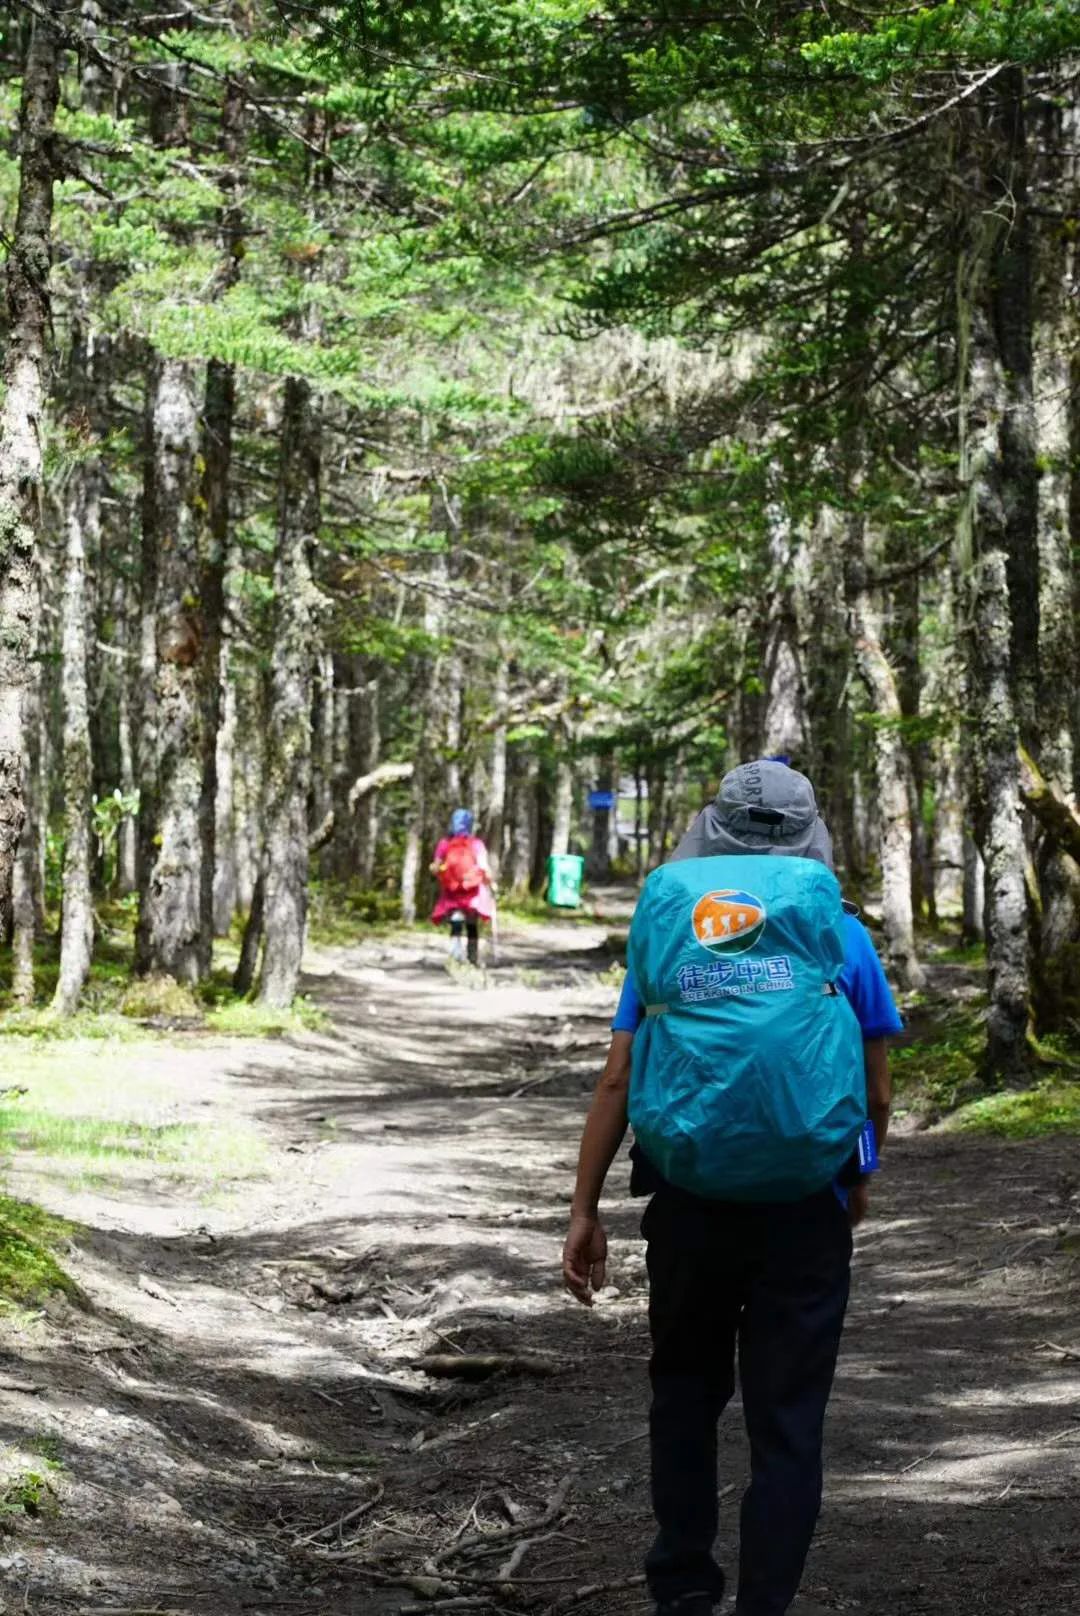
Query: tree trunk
x=29, y=253
x=598, y=859
x=288, y=763
x=784, y=733
x=226, y=875
x=993, y=402
x=564, y=801
x=949, y=828
x=219, y=410
x=77, y=930
x=169, y=938
x=974, y=893
x=525, y=770
x=496, y=825
x=1057, y=998
x=890, y=759
x=323, y=732
x=26, y=879
x=368, y=754
x=657, y=777
x=827, y=658
x=127, y=840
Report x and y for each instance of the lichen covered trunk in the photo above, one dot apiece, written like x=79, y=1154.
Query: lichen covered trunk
x=563, y=819
x=171, y=763
x=1058, y=706
x=77, y=929
x=987, y=535
x=893, y=775
x=27, y=284
x=288, y=756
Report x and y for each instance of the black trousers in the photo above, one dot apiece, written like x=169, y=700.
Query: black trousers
x=772, y=1282
x=470, y=925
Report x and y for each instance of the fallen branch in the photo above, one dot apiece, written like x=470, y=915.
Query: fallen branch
x=479, y=1366
x=459, y=1602
x=589, y=1590
x=1057, y=818
x=343, y=1520
x=1066, y=1354
x=552, y=1510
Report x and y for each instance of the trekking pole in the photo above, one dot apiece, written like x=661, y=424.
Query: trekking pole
x=494, y=929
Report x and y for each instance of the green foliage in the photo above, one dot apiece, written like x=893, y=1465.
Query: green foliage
x=29, y=1272
x=937, y=1072
x=1050, y=1107
x=342, y=912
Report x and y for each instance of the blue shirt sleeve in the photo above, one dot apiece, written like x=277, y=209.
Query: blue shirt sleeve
x=863, y=982
x=628, y=1015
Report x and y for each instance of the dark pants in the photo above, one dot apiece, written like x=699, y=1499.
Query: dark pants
x=775, y=1280
x=469, y=924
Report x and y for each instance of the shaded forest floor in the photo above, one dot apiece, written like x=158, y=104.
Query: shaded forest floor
x=267, y=1236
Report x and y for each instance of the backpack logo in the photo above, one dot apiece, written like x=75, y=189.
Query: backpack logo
x=728, y=922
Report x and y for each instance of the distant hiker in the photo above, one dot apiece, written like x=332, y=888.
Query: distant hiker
x=747, y=1049
x=463, y=871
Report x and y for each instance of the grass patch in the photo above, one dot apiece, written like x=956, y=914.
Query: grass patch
x=341, y=912
x=244, y=1018
x=29, y=1273
x=935, y=1075
x=973, y=954
x=105, y=1151
x=1048, y=1108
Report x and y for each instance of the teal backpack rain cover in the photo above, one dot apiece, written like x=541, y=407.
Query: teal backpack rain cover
x=748, y=1076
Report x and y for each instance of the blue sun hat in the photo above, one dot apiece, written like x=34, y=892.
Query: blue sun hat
x=461, y=822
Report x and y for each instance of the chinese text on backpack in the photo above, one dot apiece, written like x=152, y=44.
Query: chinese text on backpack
x=748, y=1075
x=459, y=872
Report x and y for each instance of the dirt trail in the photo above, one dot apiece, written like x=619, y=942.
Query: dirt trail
x=240, y=1422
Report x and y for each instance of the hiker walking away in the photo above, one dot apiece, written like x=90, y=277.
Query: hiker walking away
x=748, y=1049
x=466, y=890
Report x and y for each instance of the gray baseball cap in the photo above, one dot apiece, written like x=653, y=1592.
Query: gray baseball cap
x=761, y=807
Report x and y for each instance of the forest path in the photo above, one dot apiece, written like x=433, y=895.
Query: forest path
x=238, y=1418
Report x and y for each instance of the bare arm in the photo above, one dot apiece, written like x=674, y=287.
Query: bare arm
x=585, y=1251
x=878, y=1087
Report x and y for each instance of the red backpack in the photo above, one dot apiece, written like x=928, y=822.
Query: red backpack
x=459, y=872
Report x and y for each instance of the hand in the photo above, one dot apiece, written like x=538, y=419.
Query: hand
x=858, y=1203
x=584, y=1258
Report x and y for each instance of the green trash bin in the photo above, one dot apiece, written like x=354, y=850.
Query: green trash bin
x=565, y=874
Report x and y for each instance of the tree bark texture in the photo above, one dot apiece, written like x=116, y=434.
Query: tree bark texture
x=83, y=538
x=525, y=771
x=288, y=761
x=1058, y=706
x=784, y=731
x=987, y=534
x=26, y=921
x=563, y=820
x=28, y=265
x=368, y=752
x=219, y=410
x=891, y=761
x=169, y=938
x=226, y=878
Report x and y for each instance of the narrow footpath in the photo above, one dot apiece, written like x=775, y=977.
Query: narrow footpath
x=272, y=1394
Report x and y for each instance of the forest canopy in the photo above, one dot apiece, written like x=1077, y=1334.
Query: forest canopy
x=416, y=405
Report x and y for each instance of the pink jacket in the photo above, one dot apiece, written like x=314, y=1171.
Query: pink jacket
x=482, y=901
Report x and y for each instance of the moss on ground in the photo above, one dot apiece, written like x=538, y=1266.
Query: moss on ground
x=29, y=1272
x=1049, y=1107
